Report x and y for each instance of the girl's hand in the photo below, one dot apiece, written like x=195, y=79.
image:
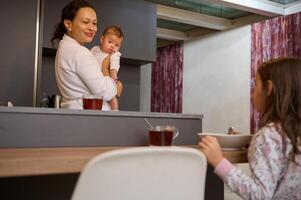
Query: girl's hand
x=212, y=150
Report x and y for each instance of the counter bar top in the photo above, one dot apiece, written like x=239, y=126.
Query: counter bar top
x=53, y=111
x=28, y=127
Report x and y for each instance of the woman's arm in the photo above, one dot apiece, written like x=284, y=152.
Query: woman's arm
x=88, y=71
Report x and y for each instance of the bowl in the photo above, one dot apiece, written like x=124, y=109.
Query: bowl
x=230, y=142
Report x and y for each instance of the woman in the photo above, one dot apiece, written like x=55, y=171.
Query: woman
x=76, y=68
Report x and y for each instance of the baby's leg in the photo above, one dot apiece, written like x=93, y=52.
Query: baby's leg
x=119, y=88
x=114, y=104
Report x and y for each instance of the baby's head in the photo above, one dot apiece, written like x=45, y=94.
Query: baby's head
x=111, y=39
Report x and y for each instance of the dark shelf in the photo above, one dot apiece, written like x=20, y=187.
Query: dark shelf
x=128, y=61
x=48, y=51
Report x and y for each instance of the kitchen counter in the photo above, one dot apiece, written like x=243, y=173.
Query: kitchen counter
x=22, y=127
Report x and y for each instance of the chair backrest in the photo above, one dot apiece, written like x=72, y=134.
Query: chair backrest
x=144, y=173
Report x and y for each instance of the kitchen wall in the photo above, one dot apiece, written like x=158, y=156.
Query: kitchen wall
x=17, y=57
x=139, y=47
x=216, y=79
x=130, y=77
x=26, y=71
x=136, y=18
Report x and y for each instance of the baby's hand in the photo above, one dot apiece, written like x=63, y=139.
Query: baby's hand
x=113, y=74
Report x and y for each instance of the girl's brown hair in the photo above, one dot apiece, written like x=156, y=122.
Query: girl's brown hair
x=283, y=105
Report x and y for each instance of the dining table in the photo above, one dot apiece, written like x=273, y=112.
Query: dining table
x=49, y=173
x=46, y=161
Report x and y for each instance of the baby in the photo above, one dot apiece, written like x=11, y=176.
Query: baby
x=110, y=43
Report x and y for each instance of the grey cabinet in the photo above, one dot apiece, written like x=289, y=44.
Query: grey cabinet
x=17, y=57
x=136, y=18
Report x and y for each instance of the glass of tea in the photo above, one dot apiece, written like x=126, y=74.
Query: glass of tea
x=92, y=102
x=162, y=135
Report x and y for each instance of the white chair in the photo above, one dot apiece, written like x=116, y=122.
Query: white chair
x=144, y=173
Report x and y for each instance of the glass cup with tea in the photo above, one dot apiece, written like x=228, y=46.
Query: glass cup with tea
x=162, y=135
x=92, y=102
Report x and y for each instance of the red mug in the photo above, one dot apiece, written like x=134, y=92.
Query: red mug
x=92, y=102
x=162, y=135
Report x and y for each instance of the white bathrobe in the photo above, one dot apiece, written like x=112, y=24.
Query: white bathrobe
x=77, y=73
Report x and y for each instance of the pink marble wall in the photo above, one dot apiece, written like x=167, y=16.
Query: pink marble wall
x=167, y=79
x=273, y=38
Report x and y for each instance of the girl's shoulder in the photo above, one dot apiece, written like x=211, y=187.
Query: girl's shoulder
x=272, y=135
x=270, y=128
x=267, y=143
x=271, y=132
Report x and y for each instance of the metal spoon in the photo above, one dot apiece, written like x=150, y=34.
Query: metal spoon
x=148, y=123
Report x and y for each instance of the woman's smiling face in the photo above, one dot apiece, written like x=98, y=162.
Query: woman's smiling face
x=83, y=27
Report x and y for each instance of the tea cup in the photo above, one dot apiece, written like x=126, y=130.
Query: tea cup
x=162, y=135
x=92, y=102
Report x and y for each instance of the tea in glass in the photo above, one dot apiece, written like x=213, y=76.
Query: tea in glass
x=162, y=135
x=92, y=102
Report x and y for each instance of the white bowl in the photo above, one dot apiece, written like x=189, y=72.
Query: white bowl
x=226, y=141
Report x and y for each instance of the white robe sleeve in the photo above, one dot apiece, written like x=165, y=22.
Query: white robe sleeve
x=88, y=71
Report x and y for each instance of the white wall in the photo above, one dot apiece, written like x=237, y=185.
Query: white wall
x=216, y=79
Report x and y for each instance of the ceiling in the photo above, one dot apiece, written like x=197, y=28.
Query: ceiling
x=187, y=19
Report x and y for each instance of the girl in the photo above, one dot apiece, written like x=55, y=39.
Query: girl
x=275, y=151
